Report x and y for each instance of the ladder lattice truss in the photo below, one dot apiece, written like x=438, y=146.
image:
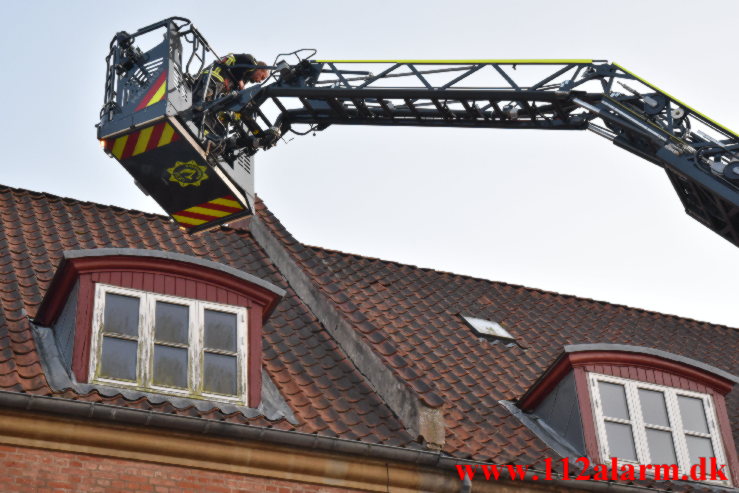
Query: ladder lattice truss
x=699, y=155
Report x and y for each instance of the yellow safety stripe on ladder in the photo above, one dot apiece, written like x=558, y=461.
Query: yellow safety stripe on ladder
x=208, y=211
x=188, y=220
x=226, y=202
x=693, y=110
x=167, y=135
x=119, y=145
x=522, y=61
x=157, y=135
x=143, y=140
x=159, y=94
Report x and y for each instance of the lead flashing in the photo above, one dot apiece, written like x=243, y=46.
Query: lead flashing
x=419, y=418
x=539, y=428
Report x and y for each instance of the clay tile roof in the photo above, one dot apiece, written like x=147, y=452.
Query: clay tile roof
x=472, y=374
x=324, y=389
x=418, y=309
x=408, y=315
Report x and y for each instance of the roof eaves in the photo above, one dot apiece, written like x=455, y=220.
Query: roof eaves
x=189, y=424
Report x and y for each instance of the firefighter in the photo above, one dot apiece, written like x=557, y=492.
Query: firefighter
x=230, y=73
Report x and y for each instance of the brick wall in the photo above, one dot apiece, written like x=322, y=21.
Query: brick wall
x=37, y=470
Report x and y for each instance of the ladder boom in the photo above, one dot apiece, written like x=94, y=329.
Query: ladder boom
x=700, y=156
x=196, y=157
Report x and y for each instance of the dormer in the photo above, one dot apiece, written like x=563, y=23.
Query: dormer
x=641, y=406
x=160, y=323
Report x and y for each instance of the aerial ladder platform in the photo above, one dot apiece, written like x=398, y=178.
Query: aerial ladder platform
x=196, y=158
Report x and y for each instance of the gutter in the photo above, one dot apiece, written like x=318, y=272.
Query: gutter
x=138, y=417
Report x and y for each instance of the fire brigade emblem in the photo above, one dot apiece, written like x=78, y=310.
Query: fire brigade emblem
x=187, y=173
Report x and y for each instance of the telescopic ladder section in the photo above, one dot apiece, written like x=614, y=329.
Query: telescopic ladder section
x=700, y=156
x=195, y=158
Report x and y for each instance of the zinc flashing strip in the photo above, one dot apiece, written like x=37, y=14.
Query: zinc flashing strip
x=420, y=419
x=538, y=427
x=673, y=98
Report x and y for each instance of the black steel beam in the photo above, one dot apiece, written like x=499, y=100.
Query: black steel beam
x=421, y=93
x=420, y=121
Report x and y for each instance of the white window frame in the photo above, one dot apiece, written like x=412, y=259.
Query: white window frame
x=639, y=427
x=487, y=327
x=196, y=348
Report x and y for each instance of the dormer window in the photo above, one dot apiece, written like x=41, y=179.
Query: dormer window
x=150, y=322
x=645, y=423
x=639, y=405
x=168, y=344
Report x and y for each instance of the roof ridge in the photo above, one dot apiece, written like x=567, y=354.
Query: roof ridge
x=78, y=201
x=266, y=213
x=236, y=228
x=521, y=286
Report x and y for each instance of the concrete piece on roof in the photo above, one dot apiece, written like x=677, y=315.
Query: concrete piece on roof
x=421, y=420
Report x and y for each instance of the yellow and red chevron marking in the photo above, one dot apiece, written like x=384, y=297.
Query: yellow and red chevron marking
x=155, y=92
x=208, y=211
x=144, y=140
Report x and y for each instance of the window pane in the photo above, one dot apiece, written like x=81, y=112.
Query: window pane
x=118, y=359
x=613, y=397
x=620, y=441
x=653, y=407
x=170, y=366
x=698, y=447
x=220, y=374
x=121, y=314
x=661, y=448
x=220, y=330
x=171, y=322
x=694, y=417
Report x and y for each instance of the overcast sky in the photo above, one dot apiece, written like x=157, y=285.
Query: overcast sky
x=561, y=211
